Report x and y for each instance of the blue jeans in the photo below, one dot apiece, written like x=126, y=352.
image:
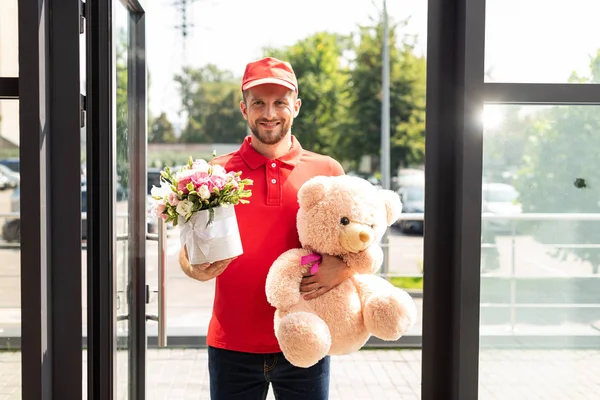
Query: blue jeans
x=246, y=376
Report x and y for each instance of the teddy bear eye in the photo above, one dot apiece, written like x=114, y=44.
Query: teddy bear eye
x=344, y=221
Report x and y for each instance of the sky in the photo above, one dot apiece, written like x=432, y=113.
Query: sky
x=526, y=40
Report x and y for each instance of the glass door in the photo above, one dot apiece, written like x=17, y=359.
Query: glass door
x=129, y=194
x=116, y=170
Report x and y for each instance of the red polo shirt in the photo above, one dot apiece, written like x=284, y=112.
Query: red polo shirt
x=242, y=319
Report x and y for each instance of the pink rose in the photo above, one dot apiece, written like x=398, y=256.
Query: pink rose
x=199, y=179
x=217, y=181
x=182, y=184
x=173, y=199
x=158, y=210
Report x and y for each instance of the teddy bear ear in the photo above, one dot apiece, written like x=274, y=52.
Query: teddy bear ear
x=313, y=191
x=393, y=205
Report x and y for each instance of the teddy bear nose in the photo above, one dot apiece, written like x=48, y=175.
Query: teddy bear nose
x=364, y=237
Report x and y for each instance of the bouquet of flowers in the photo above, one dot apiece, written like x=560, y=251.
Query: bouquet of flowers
x=199, y=197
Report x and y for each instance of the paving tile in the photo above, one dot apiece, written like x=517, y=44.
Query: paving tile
x=370, y=374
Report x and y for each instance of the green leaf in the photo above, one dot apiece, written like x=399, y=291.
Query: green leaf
x=211, y=216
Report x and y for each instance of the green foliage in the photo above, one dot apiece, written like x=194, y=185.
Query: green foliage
x=322, y=81
x=161, y=130
x=340, y=86
x=210, y=98
x=407, y=99
x=122, y=109
x=558, y=174
x=411, y=282
x=9, y=153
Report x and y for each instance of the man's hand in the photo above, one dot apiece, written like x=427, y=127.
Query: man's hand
x=202, y=272
x=332, y=271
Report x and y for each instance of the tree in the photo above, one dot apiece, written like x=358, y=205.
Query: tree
x=560, y=175
x=407, y=99
x=161, y=130
x=210, y=98
x=322, y=81
x=505, y=146
x=122, y=110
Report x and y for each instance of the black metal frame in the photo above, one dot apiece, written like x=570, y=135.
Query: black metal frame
x=48, y=89
x=51, y=301
x=456, y=94
x=455, y=76
x=542, y=93
x=137, y=139
x=101, y=68
x=101, y=331
x=35, y=334
x=9, y=88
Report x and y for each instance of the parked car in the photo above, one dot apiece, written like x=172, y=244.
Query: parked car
x=11, y=230
x=368, y=177
x=9, y=178
x=500, y=199
x=13, y=163
x=4, y=182
x=413, y=202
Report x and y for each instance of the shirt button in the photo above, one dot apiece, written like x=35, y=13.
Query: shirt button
x=273, y=165
x=273, y=180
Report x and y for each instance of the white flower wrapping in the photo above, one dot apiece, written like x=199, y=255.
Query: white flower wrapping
x=200, y=198
x=207, y=243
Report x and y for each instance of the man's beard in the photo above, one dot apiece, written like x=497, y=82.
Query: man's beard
x=275, y=137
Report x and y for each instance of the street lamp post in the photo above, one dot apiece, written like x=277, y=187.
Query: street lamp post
x=385, y=127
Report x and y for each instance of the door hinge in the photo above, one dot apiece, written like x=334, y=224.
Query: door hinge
x=82, y=109
x=81, y=16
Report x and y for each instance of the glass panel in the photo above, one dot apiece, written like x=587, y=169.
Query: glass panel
x=9, y=45
x=540, y=252
x=541, y=41
x=10, y=254
x=121, y=35
x=195, y=110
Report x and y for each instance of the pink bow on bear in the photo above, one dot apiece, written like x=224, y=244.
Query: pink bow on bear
x=314, y=259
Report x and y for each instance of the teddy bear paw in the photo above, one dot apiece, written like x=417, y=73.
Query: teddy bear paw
x=389, y=316
x=304, y=338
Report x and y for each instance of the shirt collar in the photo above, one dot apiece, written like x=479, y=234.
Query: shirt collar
x=254, y=159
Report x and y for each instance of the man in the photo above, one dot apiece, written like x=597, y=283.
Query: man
x=244, y=356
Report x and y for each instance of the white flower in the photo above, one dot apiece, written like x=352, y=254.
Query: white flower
x=218, y=170
x=200, y=166
x=184, y=207
x=204, y=193
x=161, y=191
x=184, y=173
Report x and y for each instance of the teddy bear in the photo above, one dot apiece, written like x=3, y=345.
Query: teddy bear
x=344, y=216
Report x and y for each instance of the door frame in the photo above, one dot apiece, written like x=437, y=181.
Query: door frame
x=456, y=95
x=102, y=258
x=51, y=267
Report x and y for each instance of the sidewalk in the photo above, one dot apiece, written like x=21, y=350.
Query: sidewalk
x=175, y=374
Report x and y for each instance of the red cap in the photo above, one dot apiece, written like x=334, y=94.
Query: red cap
x=269, y=70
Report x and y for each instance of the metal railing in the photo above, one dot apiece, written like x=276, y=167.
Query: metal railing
x=160, y=237
x=511, y=274
x=513, y=304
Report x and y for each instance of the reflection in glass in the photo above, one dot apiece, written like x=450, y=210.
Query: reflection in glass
x=121, y=185
x=540, y=248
